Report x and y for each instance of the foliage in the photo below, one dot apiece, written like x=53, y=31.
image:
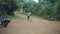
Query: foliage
x=44, y=9
x=41, y=9
x=7, y=7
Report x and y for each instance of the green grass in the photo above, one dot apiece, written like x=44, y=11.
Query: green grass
x=13, y=17
x=43, y=17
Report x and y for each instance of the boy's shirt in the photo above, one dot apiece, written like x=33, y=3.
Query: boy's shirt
x=29, y=14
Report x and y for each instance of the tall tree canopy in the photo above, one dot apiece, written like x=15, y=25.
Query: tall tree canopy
x=44, y=9
x=8, y=6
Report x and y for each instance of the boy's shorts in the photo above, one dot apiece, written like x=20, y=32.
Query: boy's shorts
x=28, y=17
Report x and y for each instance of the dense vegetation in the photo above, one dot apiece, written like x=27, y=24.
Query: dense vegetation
x=7, y=7
x=45, y=8
x=41, y=9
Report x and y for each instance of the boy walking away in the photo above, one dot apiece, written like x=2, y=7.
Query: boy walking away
x=29, y=15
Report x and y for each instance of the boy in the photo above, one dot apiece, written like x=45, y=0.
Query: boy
x=28, y=15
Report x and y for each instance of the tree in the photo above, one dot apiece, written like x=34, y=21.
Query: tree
x=8, y=6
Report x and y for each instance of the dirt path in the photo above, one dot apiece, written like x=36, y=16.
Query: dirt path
x=37, y=26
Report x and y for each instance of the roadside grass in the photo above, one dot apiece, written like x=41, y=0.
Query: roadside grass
x=13, y=17
x=43, y=17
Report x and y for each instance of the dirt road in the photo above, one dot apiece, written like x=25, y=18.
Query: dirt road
x=37, y=26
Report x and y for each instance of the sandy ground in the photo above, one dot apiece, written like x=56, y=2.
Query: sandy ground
x=36, y=26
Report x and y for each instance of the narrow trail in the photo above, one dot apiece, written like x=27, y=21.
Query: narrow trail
x=37, y=26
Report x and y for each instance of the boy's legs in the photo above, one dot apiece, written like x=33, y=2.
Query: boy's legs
x=28, y=18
